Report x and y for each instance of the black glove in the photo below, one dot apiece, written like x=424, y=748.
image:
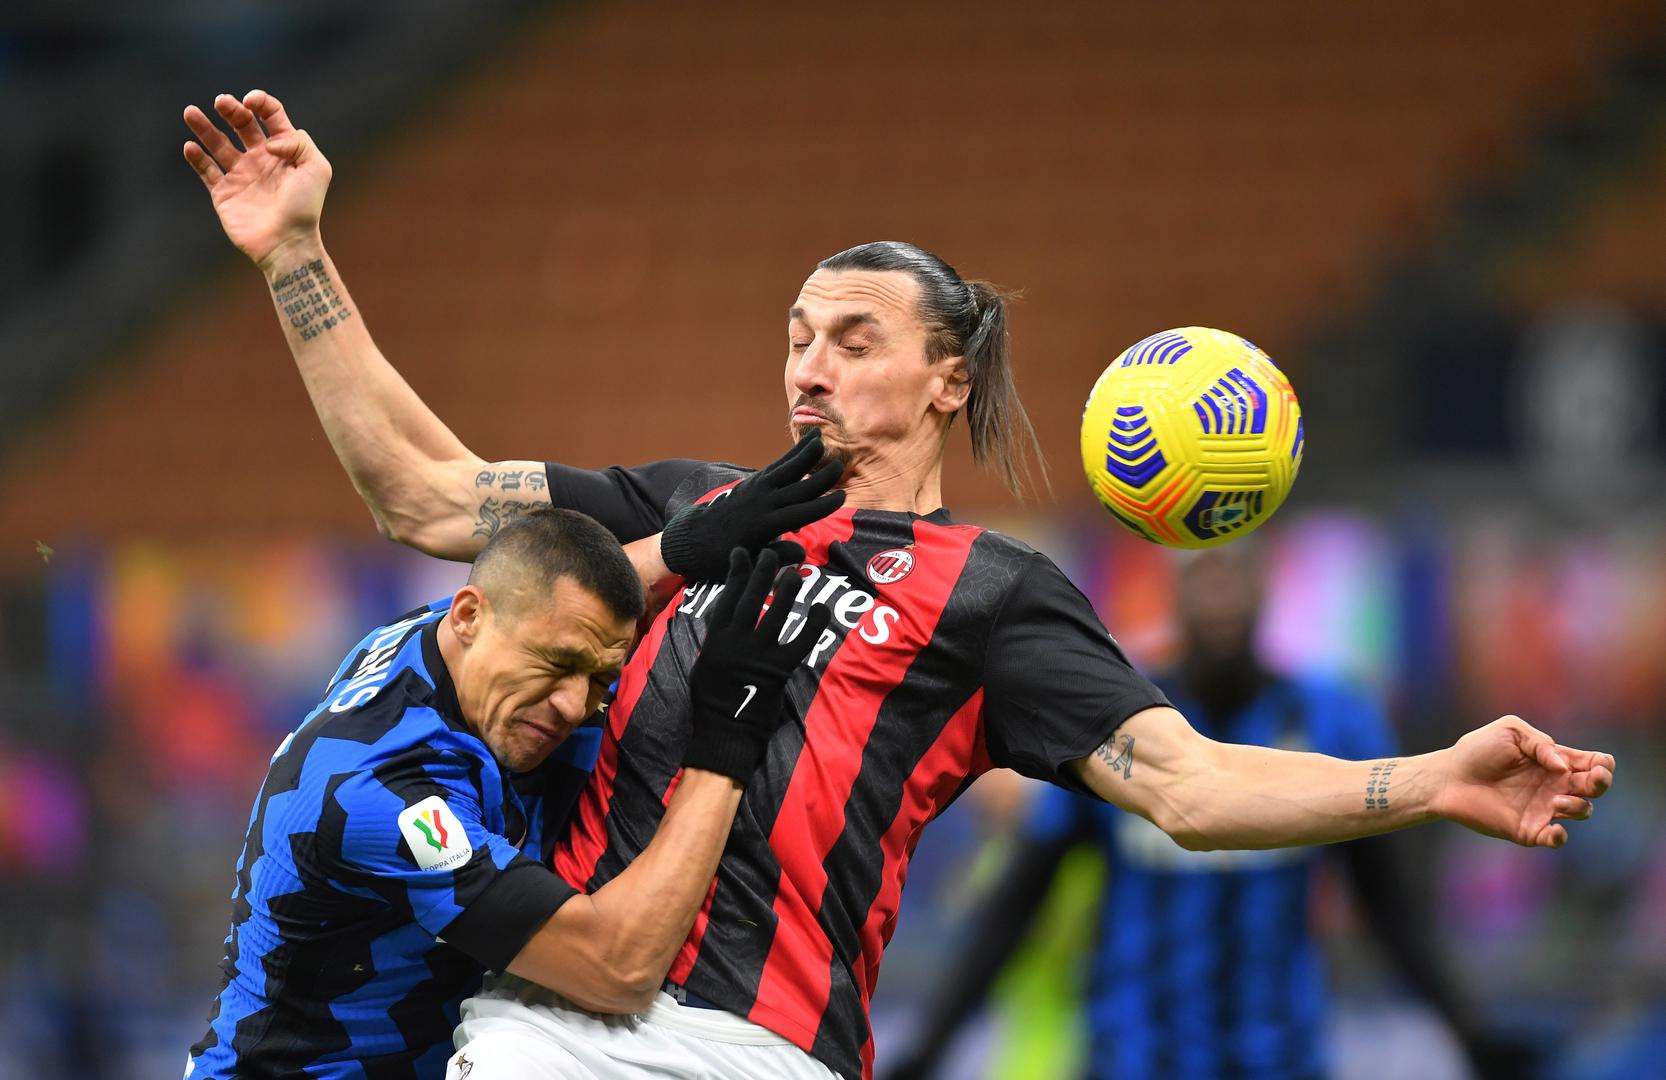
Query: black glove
x=740, y=681
x=777, y=499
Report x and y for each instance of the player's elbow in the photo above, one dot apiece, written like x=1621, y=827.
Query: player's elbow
x=1193, y=840
x=390, y=527
x=1188, y=829
x=439, y=539
x=624, y=991
x=424, y=507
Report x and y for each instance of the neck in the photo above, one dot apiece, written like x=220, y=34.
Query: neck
x=914, y=493
x=907, y=478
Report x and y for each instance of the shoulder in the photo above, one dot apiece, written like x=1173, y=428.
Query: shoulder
x=399, y=729
x=988, y=553
x=1029, y=577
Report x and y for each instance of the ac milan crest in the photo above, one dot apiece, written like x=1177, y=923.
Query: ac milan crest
x=890, y=566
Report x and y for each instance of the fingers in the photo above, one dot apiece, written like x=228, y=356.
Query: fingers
x=1551, y=836
x=241, y=120
x=740, y=568
x=207, y=171
x=213, y=140
x=1587, y=759
x=290, y=146
x=775, y=619
x=1570, y=807
x=1590, y=783
x=1539, y=746
x=816, y=619
x=817, y=482
x=797, y=461
x=756, y=590
x=788, y=551
x=270, y=111
x=792, y=518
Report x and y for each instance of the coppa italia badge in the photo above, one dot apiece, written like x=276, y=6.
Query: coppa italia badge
x=436, y=838
x=890, y=566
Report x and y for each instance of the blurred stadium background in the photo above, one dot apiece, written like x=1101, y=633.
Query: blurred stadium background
x=574, y=227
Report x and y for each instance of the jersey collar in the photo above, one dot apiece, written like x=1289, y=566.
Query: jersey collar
x=445, y=691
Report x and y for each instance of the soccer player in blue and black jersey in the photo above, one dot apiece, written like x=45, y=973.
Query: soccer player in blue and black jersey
x=1206, y=964
x=384, y=868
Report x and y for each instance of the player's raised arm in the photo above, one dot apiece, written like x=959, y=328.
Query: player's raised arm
x=1506, y=780
x=609, y=951
x=423, y=486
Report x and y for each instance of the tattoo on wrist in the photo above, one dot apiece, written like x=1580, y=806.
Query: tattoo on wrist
x=1118, y=753
x=495, y=514
x=1376, y=785
x=307, y=298
x=514, y=480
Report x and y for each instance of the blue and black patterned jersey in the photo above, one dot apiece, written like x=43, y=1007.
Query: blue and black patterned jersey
x=1207, y=965
x=381, y=875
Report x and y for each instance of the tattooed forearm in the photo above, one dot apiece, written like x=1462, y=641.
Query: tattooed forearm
x=495, y=514
x=511, y=479
x=1118, y=753
x=307, y=298
x=1376, y=786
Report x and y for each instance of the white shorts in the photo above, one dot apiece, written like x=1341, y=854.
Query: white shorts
x=515, y=1030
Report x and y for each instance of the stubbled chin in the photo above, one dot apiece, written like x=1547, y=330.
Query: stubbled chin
x=832, y=444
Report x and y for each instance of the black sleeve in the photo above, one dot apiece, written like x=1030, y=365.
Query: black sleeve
x=631, y=503
x=1056, y=684
x=502, y=919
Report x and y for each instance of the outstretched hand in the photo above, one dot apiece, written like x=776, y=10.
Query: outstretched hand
x=1512, y=781
x=271, y=192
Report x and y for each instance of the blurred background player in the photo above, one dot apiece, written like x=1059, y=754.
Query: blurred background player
x=1207, y=964
x=383, y=870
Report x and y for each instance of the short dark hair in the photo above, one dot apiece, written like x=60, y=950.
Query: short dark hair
x=969, y=319
x=549, y=544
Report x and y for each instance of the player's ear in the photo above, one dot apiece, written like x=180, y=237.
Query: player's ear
x=951, y=384
x=468, y=610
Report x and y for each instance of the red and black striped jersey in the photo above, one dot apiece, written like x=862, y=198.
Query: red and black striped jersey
x=951, y=649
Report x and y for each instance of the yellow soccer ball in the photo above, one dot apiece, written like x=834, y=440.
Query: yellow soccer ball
x=1192, y=437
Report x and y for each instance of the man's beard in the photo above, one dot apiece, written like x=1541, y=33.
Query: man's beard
x=835, y=449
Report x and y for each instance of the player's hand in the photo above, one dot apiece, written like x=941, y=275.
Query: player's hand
x=1512, y=781
x=271, y=192
x=777, y=499
x=739, y=683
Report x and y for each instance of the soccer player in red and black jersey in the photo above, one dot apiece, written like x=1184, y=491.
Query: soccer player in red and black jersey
x=952, y=649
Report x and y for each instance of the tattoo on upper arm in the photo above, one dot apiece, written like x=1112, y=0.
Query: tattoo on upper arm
x=1376, y=786
x=495, y=514
x=307, y=298
x=1118, y=753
